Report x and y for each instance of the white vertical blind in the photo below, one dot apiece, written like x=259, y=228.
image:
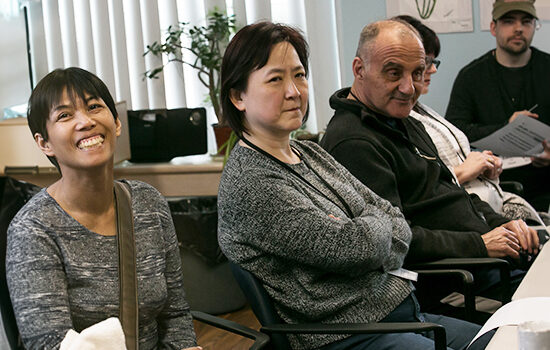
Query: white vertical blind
x=78, y=34
x=290, y=12
x=84, y=42
x=173, y=72
x=344, y=65
x=210, y=5
x=257, y=10
x=192, y=12
x=321, y=28
x=52, y=31
x=120, y=56
x=239, y=10
x=37, y=44
x=99, y=14
x=134, y=46
x=9, y=9
x=151, y=33
x=68, y=33
x=293, y=12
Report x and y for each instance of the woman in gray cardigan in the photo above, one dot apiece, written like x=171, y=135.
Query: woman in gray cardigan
x=325, y=247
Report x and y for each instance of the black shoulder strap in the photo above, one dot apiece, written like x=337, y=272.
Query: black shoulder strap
x=127, y=265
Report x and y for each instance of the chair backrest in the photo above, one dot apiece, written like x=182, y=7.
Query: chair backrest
x=260, y=302
x=13, y=195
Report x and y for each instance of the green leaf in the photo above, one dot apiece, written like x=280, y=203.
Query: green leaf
x=207, y=42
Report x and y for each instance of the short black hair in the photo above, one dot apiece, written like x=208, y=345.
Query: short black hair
x=249, y=50
x=429, y=37
x=77, y=82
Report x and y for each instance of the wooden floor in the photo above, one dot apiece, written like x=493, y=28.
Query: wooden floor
x=211, y=338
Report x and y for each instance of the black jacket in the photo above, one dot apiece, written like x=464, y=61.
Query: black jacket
x=400, y=163
x=479, y=103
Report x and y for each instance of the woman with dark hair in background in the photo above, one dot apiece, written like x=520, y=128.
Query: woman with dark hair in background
x=325, y=247
x=62, y=257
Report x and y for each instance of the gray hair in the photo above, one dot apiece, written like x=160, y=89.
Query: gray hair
x=370, y=33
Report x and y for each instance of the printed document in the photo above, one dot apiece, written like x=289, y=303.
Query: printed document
x=521, y=138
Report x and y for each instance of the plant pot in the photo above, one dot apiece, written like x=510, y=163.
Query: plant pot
x=222, y=134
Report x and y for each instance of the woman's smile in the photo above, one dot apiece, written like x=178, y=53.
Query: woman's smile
x=90, y=142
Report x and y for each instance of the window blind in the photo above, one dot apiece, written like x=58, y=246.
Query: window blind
x=109, y=37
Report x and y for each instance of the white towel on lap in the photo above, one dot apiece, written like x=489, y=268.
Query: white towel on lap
x=107, y=335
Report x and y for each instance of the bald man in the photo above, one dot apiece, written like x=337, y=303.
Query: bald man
x=372, y=135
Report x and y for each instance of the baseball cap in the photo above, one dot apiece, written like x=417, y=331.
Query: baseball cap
x=502, y=7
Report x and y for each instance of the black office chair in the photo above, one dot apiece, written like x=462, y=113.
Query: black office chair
x=466, y=287
x=273, y=325
x=456, y=280
x=13, y=195
x=261, y=340
x=513, y=187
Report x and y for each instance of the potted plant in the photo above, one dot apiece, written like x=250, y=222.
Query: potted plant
x=208, y=44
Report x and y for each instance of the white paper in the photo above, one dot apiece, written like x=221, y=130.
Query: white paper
x=520, y=138
x=442, y=16
x=485, y=13
x=517, y=312
x=514, y=162
x=404, y=273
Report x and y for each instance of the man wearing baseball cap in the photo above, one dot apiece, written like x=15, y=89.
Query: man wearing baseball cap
x=512, y=79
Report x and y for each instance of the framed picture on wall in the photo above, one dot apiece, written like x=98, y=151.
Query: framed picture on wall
x=442, y=16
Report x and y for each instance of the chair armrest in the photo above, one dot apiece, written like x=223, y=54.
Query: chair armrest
x=460, y=262
x=512, y=186
x=260, y=339
x=466, y=263
x=467, y=282
x=465, y=276
x=363, y=328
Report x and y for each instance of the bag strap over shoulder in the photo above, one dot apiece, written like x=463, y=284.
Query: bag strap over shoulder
x=127, y=265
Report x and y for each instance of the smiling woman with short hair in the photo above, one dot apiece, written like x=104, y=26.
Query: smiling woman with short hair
x=62, y=255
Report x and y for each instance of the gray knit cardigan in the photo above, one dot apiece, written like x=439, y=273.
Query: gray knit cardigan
x=62, y=276
x=317, y=264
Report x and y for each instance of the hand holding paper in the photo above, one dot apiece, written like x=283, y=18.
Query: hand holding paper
x=528, y=113
x=543, y=159
x=522, y=137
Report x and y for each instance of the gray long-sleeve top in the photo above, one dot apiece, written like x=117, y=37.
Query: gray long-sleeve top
x=62, y=276
x=317, y=264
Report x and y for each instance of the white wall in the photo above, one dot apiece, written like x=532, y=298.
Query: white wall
x=14, y=72
x=457, y=49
